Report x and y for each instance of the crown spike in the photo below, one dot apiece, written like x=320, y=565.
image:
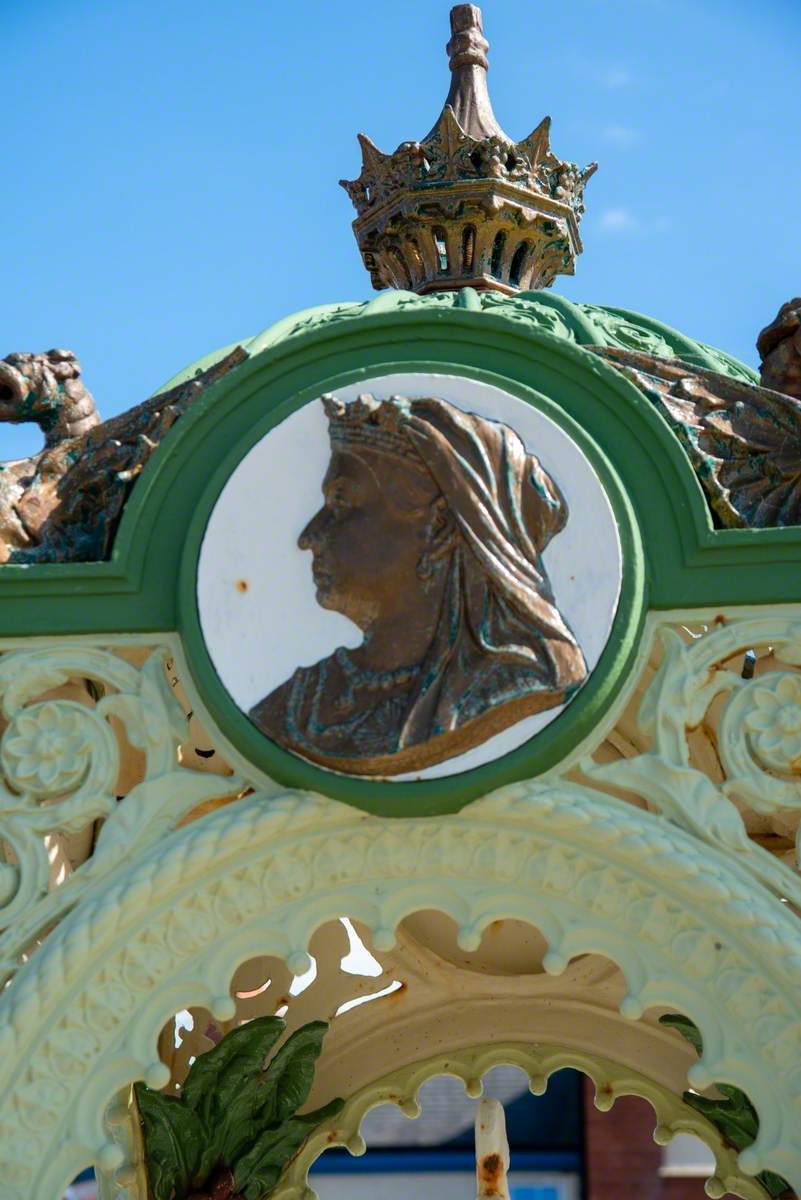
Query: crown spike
x=467, y=206
x=468, y=95
x=538, y=143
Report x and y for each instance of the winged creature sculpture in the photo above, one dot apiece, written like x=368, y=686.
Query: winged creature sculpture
x=744, y=441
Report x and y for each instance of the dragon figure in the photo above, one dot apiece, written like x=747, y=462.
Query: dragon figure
x=779, y=346
x=64, y=503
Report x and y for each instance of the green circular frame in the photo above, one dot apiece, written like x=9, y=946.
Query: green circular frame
x=538, y=371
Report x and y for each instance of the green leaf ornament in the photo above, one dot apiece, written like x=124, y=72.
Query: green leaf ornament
x=734, y=1117
x=291, y=1073
x=175, y=1140
x=237, y=1115
x=686, y=1028
x=217, y=1076
x=258, y=1171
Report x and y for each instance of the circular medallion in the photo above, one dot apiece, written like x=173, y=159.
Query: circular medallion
x=409, y=578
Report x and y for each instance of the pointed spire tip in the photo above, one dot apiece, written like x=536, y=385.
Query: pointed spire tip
x=468, y=46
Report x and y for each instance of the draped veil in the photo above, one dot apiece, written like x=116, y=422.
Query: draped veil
x=499, y=628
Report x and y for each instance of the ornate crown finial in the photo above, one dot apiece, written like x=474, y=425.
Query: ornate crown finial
x=370, y=424
x=467, y=206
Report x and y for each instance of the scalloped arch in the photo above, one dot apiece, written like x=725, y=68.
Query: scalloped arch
x=688, y=928
x=539, y=1062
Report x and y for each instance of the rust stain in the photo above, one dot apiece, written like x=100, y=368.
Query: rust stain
x=490, y=1172
x=242, y=585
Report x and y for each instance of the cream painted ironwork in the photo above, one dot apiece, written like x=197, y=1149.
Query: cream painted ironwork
x=611, y=1081
x=112, y=928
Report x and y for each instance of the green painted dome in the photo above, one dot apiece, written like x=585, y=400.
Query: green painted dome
x=583, y=324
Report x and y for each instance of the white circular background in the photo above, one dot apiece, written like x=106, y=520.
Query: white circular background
x=256, y=599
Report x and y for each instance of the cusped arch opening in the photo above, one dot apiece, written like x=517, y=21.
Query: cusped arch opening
x=361, y=984
x=481, y=1007
x=560, y=1144
x=543, y=1089
x=254, y=892
x=434, y=1152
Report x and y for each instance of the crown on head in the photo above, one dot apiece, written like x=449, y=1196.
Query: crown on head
x=468, y=206
x=370, y=423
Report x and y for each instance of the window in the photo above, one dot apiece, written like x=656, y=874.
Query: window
x=497, y=254
x=518, y=262
x=441, y=248
x=468, y=249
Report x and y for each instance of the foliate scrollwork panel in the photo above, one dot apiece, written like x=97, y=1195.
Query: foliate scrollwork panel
x=715, y=740
x=91, y=773
x=59, y=758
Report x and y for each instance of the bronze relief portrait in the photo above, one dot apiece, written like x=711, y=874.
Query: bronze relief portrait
x=430, y=539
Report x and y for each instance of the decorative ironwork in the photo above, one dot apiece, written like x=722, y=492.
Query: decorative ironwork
x=467, y=205
x=743, y=441
x=734, y=1115
x=65, y=503
x=718, y=740
x=235, y=1126
x=612, y=1080
x=692, y=925
x=779, y=346
x=104, y=723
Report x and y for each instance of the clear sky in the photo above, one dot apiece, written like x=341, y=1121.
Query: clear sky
x=171, y=166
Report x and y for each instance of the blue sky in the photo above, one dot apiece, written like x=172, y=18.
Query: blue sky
x=171, y=168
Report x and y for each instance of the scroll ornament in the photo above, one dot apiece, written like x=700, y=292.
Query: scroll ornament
x=758, y=737
x=60, y=762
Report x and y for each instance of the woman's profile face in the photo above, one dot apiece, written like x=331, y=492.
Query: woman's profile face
x=369, y=535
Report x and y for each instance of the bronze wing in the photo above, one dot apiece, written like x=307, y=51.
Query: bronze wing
x=743, y=441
